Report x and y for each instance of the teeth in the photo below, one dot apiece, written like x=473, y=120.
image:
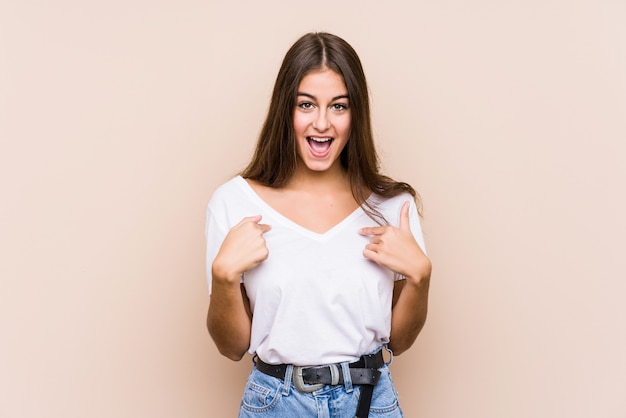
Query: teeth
x=320, y=139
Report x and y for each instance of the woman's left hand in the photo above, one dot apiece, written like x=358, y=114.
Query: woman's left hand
x=396, y=249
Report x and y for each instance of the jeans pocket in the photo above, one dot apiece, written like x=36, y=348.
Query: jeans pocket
x=262, y=393
x=385, y=398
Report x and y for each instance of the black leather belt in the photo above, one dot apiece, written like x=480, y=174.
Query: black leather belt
x=309, y=379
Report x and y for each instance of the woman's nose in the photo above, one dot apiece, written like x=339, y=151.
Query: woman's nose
x=321, y=122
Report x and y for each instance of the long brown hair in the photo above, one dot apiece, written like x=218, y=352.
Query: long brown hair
x=275, y=158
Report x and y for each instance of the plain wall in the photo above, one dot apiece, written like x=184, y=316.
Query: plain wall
x=118, y=119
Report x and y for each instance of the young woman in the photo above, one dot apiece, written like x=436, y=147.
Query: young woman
x=315, y=259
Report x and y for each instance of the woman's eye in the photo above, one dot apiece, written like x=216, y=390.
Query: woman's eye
x=340, y=106
x=306, y=105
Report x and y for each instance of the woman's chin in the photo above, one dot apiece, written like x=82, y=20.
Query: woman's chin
x=319, y=166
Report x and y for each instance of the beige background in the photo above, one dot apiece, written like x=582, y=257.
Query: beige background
x=118, y=119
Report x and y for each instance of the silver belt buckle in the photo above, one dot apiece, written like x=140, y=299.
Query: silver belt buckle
x=298, y=380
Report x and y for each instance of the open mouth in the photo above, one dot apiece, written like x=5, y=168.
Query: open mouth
x=319, y=146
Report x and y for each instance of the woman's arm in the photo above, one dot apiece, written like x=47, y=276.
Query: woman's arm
x=397, y=250
x=408, y=314
x=229, y=319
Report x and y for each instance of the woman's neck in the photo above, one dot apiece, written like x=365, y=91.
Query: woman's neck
x=335, y=178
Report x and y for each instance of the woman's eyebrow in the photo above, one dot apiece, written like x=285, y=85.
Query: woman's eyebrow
x=342, y=96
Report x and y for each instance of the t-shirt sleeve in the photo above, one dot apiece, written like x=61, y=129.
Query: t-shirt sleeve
x=416, y=227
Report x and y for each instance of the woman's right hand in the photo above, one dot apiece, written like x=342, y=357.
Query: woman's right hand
x=243, y=248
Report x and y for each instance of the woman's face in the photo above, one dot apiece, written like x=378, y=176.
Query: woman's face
x=321, y=120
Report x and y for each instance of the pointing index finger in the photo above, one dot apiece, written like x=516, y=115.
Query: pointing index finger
x=372, y=230
x=404, y=216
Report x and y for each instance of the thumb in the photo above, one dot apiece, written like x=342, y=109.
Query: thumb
x=256, y=219
x=404, y=217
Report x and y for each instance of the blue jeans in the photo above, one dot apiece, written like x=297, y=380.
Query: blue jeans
x=267, y=396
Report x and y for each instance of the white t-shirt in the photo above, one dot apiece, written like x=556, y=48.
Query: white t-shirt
x=316, y=299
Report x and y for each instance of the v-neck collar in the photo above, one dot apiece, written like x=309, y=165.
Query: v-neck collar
x=323, y=236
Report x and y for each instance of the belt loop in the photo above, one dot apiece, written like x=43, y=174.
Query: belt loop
x=287, y=381
x=390, y=356
x=347, y=378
